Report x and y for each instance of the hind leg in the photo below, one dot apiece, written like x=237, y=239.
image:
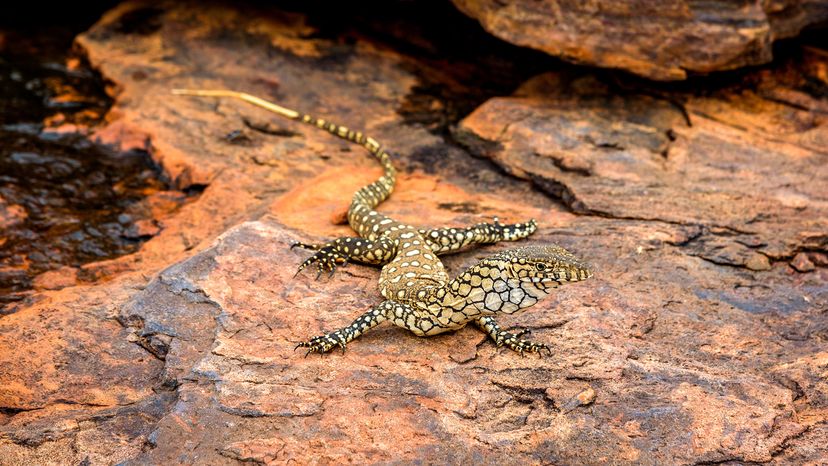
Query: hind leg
x=343, y=250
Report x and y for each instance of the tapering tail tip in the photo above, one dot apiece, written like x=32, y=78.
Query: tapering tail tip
x=249, y=98
x=184, y=92
x=206, y=92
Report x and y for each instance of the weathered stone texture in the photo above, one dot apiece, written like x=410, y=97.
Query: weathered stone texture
x=664, y=40
x=701, y=338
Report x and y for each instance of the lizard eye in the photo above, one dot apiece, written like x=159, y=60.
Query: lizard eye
x=540, y=266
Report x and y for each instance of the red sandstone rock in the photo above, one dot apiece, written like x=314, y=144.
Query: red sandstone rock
x=802, y=263
x=693, y=343
x=658, y=40
x=10, y=214
x=737, y=162
x=143, y=228
x=56, y=279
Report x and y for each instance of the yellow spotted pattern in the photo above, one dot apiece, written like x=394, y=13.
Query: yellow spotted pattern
x=419, y=294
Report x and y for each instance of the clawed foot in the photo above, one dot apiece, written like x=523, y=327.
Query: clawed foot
x=326, y=259
x=322, y=343
x=513, y=341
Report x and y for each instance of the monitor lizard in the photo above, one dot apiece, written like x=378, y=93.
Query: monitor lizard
x=419, y=294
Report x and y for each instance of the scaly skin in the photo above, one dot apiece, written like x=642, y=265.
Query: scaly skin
x=419, y=295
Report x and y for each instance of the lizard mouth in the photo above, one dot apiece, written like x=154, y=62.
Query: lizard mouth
x=559, y=276
x=538, y=279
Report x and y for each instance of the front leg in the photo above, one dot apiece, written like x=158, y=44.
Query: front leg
x=344, y=250
x=341, y=337
x=512, y=340
x=445, y=240
x=402, y=315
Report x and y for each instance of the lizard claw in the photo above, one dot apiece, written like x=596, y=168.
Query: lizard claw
x=322, y=343
x=299, y=244
x=522, y=346
x=326, y=259
x=523, y=332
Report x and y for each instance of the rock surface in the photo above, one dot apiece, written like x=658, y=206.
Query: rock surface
x=701, y=339
x=658, y=40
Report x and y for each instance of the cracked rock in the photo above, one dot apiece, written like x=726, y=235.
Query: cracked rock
x=802, y=263
x=678, y=351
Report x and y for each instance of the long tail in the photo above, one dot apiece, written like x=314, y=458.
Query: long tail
x=366, y=198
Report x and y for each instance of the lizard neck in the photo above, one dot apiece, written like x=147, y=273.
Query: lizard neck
x=489, y=287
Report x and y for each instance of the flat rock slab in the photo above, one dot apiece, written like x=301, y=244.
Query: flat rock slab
x=745, y=162
x=701, y=338
x=658, y=40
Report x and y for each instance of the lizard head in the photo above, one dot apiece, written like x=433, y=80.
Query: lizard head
x=517, y=278
x=544, y=264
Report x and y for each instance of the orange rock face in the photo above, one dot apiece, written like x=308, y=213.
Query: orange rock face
x=701, y=337
x=659, y=40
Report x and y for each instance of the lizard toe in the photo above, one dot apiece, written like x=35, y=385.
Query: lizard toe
x=299, y=244
x=322, y=343
x=326, y=260
x=525, y=346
